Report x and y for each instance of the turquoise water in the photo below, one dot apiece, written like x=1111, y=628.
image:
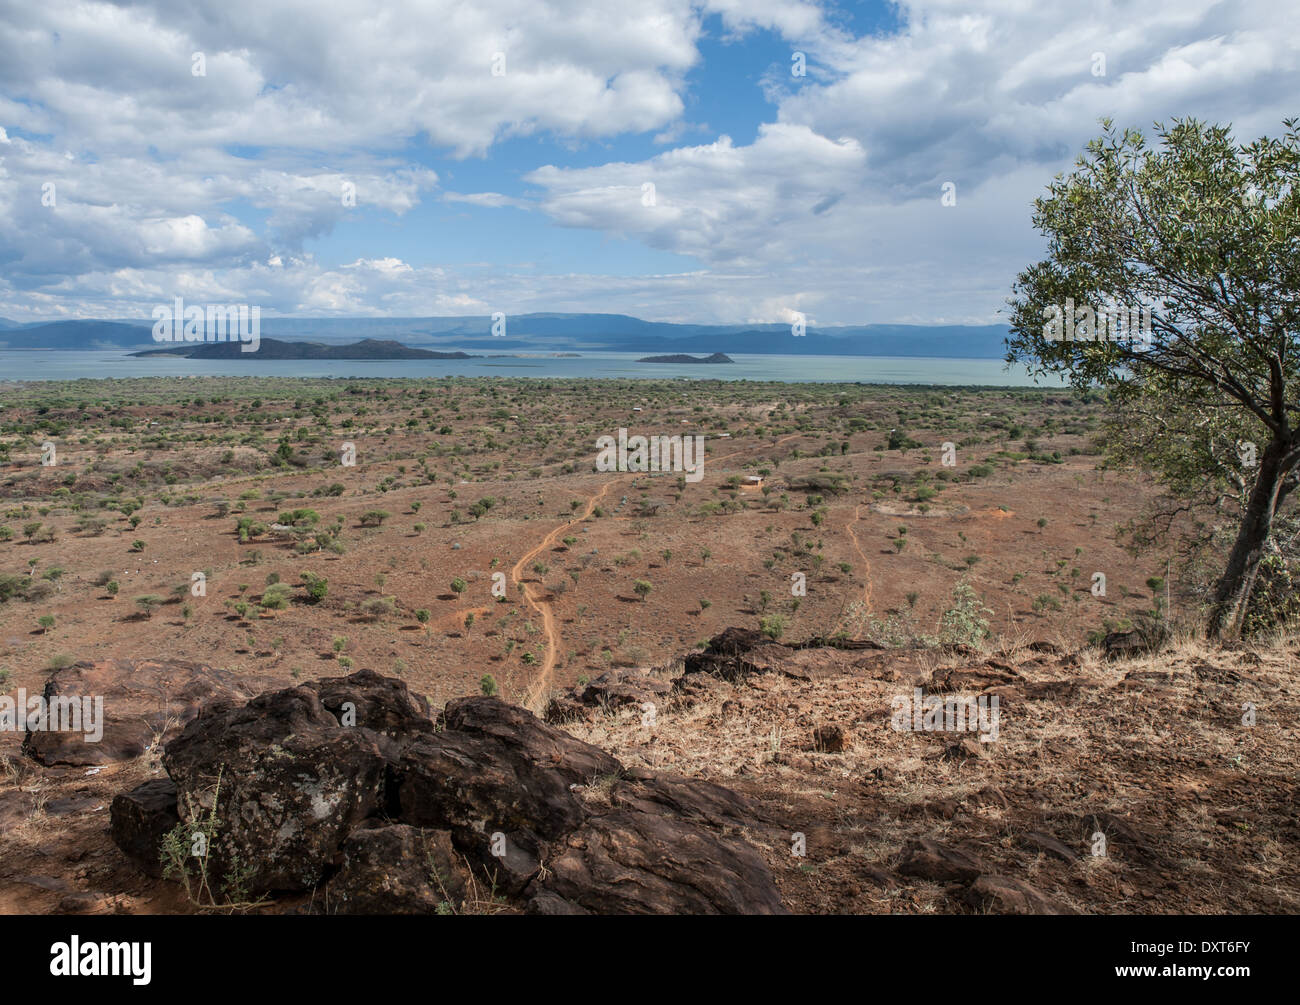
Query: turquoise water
x=40, y=364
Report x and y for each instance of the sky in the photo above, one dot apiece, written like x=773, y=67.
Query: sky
x=660, y=158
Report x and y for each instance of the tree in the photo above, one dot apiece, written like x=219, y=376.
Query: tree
x=1195, y=242
x=318, y=587
x=148, y=603
x=642, y=588
x=276, y=597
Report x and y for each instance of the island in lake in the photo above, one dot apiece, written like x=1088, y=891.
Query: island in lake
x=271, y=348
x=681, y=357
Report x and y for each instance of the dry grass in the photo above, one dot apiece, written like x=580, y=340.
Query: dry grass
x=1164, y=752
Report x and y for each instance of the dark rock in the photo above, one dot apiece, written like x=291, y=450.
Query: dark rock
x=87, y=903
x=830, y=739
x=1050, y=845
x=614, y=689
x=390, y=811
x=1122, y=836
x=736, y=653
x=288, y=781
x=382, y=704
x=548, y=903
x=463, y=780
x=526, y=738
x=70, y=805
x=1042, y=690
x=972, y=679
x=1117, y=645
x=927, y=859
x=640, y=863
x=965, y=749
x=496, y=769
x=141, y=818
x=398, y=869
x=144, y=702
x=507, y=860
x=1005, y=895
x=692, y=800
x=880, y=877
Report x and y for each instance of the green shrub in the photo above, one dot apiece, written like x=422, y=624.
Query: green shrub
x=276, y=597
x=317, y=587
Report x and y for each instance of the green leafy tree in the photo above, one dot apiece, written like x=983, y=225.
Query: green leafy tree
x=148, y=603
x=1202, y=233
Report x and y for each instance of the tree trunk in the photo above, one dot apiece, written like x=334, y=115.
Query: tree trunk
x=1232, y=594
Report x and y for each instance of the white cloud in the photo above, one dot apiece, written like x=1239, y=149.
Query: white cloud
x=165, y=179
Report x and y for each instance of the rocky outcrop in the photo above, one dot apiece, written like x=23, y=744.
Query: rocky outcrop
x=287, y=783
x=612, y=690
x=347, y=787
x=736, y=653
x=144, y=702
x=645, y=863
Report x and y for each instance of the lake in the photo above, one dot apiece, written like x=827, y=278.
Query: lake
x=42, y=364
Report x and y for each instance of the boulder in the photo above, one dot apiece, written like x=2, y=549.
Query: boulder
x=736, y=653
x=144, y=702
x=693, y=800
x=287, y=780
x=501, y=781
x=382, y=704
x=398, y=869
x=969, y=679
x=528, y=740
x=141, y=818
x=387, y=813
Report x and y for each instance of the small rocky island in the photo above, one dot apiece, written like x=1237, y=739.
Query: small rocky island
x=717, y=357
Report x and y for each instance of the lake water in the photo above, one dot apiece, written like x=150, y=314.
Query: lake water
x=40, y=364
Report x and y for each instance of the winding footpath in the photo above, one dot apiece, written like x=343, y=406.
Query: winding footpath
x=542, y=683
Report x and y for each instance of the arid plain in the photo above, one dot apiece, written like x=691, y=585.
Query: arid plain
x=455, y=534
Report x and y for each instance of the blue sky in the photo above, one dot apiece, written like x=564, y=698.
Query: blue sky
x=128, y=177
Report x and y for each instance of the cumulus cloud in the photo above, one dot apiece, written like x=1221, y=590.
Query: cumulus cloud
x=163, y=178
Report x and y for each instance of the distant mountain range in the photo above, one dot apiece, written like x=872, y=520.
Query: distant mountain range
x=549, y=333
x=271, y=348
